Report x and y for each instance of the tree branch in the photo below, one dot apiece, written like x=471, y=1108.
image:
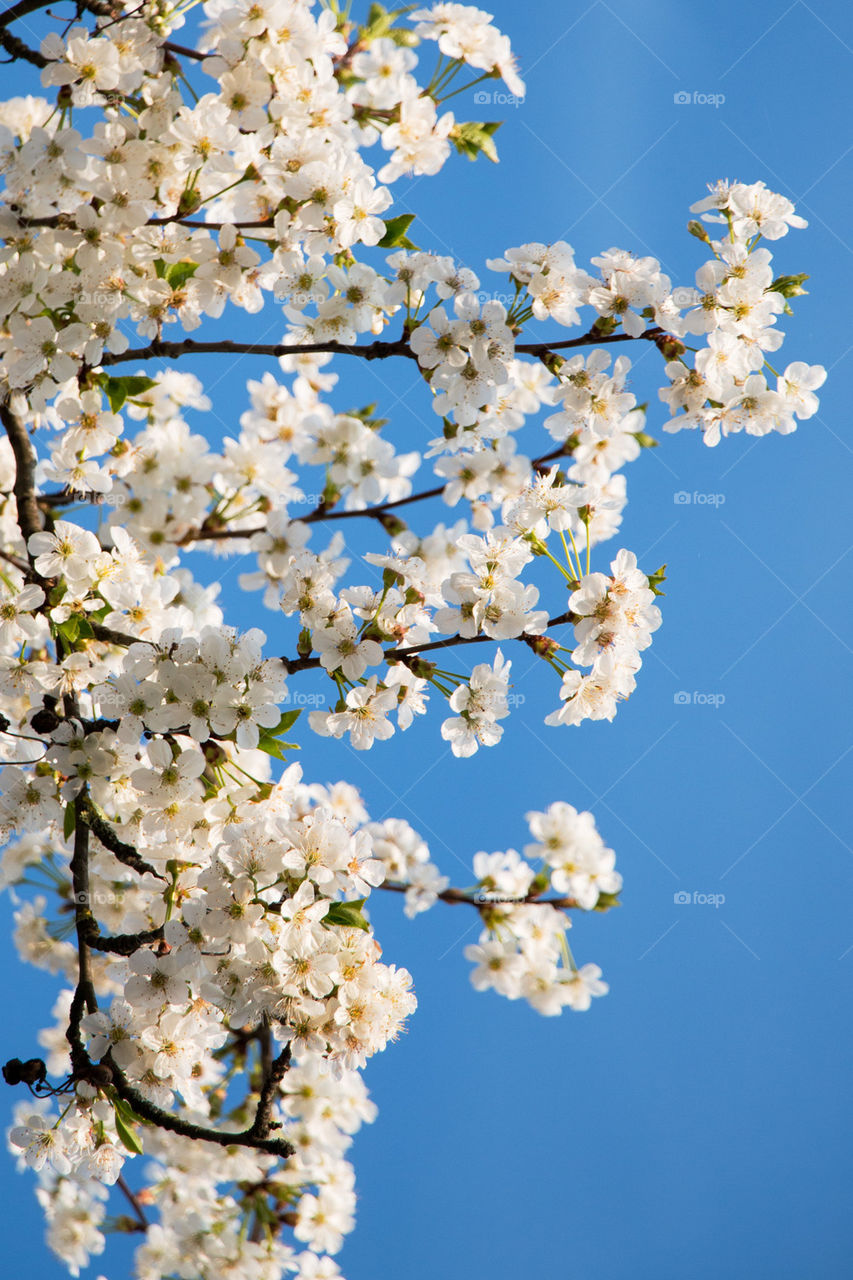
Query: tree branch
x=273, y=1072
x=455, y=896
x=29, y=516
x=590, y=338
x=16, y=50
x=159, y=350
x=166, y=1120
x=110, y=636
x=122, y=944
x=84, y=998
x=183, y=51
x=88, y=816
x=25, y=7
x=378, y=350
x=129, y=1195
x=323, y=513
x=399, y=655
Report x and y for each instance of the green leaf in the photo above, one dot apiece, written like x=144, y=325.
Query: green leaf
x=380, y=22
x=287, y=720
x=270, y=739
x=127, y=1135
x=644, y=441
x=126, y=1110
x=541, y=882
x=70, y=628
x=69, y=822
x=120, y=389
x=789, y=286
x=177, y=273
x=174, y=273
x=275, y=747
x=395, y=233
x=471, y=138
x=347, y=914
x=656, y=578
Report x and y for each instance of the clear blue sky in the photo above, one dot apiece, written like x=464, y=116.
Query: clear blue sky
x=694, y=1122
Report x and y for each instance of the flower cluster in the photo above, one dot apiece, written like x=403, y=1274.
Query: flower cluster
x=523, y=951
x=735, y=305
x=615, y=620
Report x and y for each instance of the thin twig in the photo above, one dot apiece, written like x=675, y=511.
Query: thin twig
x=322, y=513
x=130, y=1196
x=481, y=901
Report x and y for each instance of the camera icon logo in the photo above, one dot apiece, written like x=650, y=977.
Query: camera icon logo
x=684, y=296
x=681, y=98
x=681, y=898
x=682, y=698
x=682, y=498
x=482, y=97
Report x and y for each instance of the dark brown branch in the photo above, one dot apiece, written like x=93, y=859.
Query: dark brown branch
x=591, y=338
x=67, y=221
x=82, y=909
x=159, y=350
x=17, y=562
x=322, y=513
x=29, y=516
x=273, y=1072
x=377, y=350
x=107, y=634
x=84, y=999
x=134, y=1203
x=20, y=10
x=166, y=1120
x=400, y=655
x=18, y=51
x=122, y=944
x=261, y=224
x=25, y=7
x=183, y=51
x=88, y=815
x=484, y=901
x=559, y=621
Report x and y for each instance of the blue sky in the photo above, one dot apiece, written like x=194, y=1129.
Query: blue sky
x=691, y=1123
